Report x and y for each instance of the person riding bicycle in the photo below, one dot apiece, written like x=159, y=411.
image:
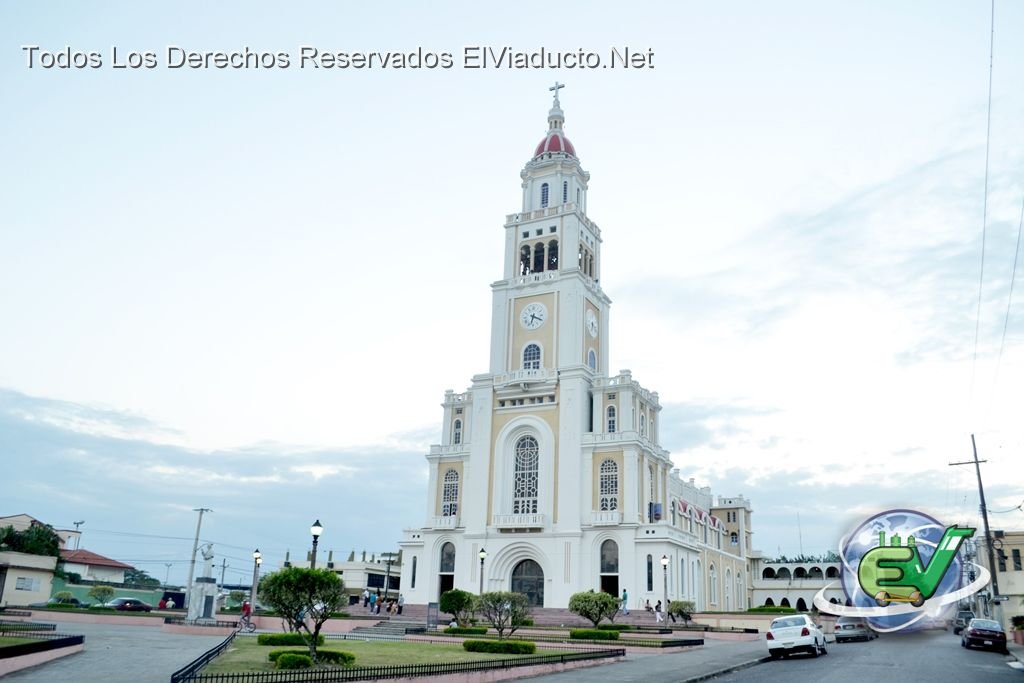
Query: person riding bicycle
x=246, y=614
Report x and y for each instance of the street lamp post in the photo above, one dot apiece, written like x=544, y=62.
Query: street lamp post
x=664, y=569
x=483, y=556
x=389, y=559
x=316, y=530
x=257, y=560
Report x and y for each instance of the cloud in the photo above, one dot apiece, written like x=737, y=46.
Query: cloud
x=131, y=490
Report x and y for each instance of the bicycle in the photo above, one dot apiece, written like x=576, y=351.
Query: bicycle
x=245, y=624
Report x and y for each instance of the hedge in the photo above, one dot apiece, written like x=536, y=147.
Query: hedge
x=292, y=638
x=324, y=656
x=615, y=627
x=771, y=609
x=500, y=647
x=289, y=660
x=466, y=630
x=592, y=634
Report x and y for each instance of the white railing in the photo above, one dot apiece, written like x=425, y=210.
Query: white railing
x=458, y=449
x=530, y=521
x=449, y=522
x=539, y=375
x=606, y=518
x=536, y=277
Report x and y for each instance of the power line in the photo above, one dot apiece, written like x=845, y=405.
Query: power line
x=984, y=203
x=1009, y=299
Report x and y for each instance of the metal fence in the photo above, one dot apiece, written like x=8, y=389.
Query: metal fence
x=6, y=625
x=212, y=624
x=335, y=675
x=190, y=670
x=41, y=642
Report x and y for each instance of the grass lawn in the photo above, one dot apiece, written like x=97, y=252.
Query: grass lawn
x=11, y=640
x=245, y=655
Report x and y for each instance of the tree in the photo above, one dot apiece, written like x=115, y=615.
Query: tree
x=682, y=609
x=300, y=594
x=63, y=596
x=505, y=610
x=101, y=594
x=594, y=606
x=139, y=577
x=459, y=604
x=38, y=539
x=237, y=597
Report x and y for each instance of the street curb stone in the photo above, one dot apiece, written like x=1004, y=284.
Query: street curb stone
x=727, y=670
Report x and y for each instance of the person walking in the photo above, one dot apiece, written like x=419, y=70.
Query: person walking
x=625, y=602
x=401, y=603
x=658, y=616
x=373, y=602
x=366, y=598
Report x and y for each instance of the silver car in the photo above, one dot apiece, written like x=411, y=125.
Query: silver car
x=853, y=628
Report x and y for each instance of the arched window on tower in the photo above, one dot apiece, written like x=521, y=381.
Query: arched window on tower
x=544, y=195
x=457, y=432
x=579, y=258
x=611, y=420
x=524, y=260
x=553, y=255
x=734, y=538
x=450, y=494
x=590, y=266
x=643, y=426
x=531, y=357
x=524, y=493
x=565, y=191
x=608, y=485
x=592, y=359
x=650, y=573
x=538, y=257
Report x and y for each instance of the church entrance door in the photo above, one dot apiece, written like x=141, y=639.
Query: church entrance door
x=528, y=579
x=610, y=585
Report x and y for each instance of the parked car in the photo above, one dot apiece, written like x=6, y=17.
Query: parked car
x=853, y=628
x=984, y=633
x=963, y=617
x=128, y=605
x=55, y=601
x=795, y=633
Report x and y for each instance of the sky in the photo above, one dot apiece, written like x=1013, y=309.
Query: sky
x=247, y=289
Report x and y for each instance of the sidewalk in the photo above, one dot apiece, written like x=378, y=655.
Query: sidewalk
x=693, y=664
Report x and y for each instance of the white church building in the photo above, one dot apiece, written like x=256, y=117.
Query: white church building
x=550, y=478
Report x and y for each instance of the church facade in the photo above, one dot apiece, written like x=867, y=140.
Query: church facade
x=551, y=478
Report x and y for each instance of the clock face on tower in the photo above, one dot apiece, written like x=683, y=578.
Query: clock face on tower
x=533, y=315
x=591, y=323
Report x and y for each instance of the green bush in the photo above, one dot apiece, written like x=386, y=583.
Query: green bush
x=1018, y=622
x=771, y=609
x=323, y=656
x=525, y=622
x=290, y=660
x=466, y=630
x=500, y=647
x=293, y=638
x=592, y=634
x=62, y=605
x=614, y=627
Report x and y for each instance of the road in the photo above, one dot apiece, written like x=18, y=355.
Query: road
x=926, y=656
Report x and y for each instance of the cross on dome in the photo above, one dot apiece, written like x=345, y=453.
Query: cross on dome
x=555, y=140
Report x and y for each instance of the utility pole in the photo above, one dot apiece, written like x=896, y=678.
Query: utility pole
x=78, y=535
x=223, y=568
x=984, y=517
x=167, y=577
x=195, y=549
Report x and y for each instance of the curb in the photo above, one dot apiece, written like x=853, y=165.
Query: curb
x=727, y=670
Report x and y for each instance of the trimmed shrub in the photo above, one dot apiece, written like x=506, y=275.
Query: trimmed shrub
x=289, y=660
x=62, y=605
x=614, y=627
x=500, y=647
x=292, y=638
x=771, y=609
x=466, y=630
x=323, y=656
x=592, y=634
x=526, y=622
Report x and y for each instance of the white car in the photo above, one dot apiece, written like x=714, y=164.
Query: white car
x=795, y=633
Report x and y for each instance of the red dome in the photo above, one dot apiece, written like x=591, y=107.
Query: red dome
x=554, y=142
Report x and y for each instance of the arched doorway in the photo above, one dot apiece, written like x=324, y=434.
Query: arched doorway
x=801, y=606
x=610, y=568
x=446, y=570
x=528, y=579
